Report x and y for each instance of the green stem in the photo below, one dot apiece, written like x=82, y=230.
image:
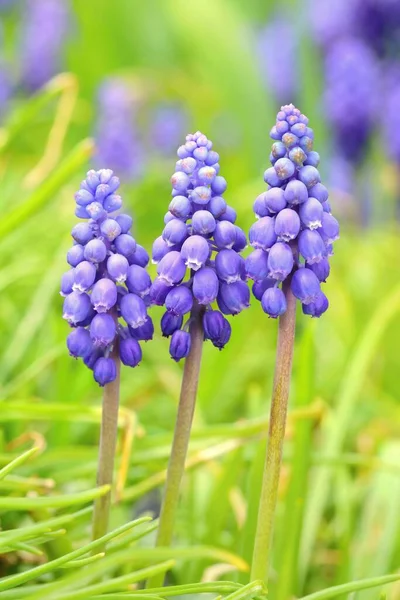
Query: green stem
x=107, y=446
x=276, y=434
x=176, y=465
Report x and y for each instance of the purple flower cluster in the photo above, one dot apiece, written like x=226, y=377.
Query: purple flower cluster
x=107, y=280
x=351, y=74
x=116, y=138
x=198, y=254
x=293, y=235
x=44, y=31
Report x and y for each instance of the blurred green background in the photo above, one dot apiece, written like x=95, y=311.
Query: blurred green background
x=338, y=516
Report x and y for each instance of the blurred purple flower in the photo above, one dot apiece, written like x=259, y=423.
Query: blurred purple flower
x=277, y=46
x=351, y=95
x=168, y=123
x=117, y=142
x=44, y=30
x=391, y=114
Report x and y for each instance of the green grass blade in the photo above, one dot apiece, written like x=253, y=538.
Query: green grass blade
x=17, y=462
x=353, y=586
x=11, y=503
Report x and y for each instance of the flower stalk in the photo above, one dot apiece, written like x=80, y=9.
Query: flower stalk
x=276, y=434
x=176, y=465
x=107, y=447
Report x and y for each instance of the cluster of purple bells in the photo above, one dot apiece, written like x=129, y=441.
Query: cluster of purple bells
x=198, y=255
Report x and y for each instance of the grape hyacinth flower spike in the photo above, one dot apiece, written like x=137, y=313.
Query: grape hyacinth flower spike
x=201, y=280
x=292, y=241
x=107, y=281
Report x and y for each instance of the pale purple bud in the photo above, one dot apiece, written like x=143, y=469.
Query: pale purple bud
x=67, y=282
x=75, y=255
x=104, y=295
x=206, y=175
x=280, y=261
x=175, y=232
x=219, y=185
x=112, y=203
x=259, y=287
x=205, y=285
x=170, y=323
x=273, y=302
x=180, y=181
x=257, y=265
x=138, y=281
x=319, y=192
x=311, y=246
x=200, y=195
x=195, y=252
x=79, y=343
x=241, y=240
x=179, y=300
x=82, y=233
x=84, y=276
x=76, y=308
x=311, y=213
x=305, y=285
x=84, y=197
x=295, y=192
x=181, y=207
x=95, y=211
x=260, y=206
x=229, y=266
x=330, y=228
x=110, y=229
x=287, y=224
x=133, y=310
x=102, y=330
x=272, y=178
x=95, y=251
x=321, y=269
x=309, y=176
x=225, y=234
x=125, y=244
x=158, y=291
x=125, y=222
x=160, y=249
x=203, y=223
x=216, y=206
x=140, y=257
x=171, y=269
x=262, y=233
x=275, y=199
x=284, y=168
x=117, y=267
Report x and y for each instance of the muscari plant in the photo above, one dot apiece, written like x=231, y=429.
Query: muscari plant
x=292, y=241
x=198, y=264
x=107, y=282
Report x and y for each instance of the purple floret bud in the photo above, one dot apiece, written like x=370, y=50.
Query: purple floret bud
x=138, y=281
x=172, y=268
x=305, y=285
x=219, y=185
x=275, y=200
x=125, y=244
x=216, y=328
x=180, y=181
x=262, y=233
x=330, y=228
x=170, y=323
x=203, y=223
x=144, y=332
x=271, y=177
x=117, y=267
x=140, y=257
x=175, y=232
x=84, y=197
x=295, y=192
x=287, y=225
x=311, y=246
x=77, y=308
x=104, y=371
x=311, y=213
x=181, y=207
x=179, y=300
x=229, y=214
x=200, y=195
x=133, y=310
x=179, y=346
x=319, y=192
x=206, y=175
x=95, y=211
x=225, y=234
x=309, y=176
x=195, y=252
x=284, y=168
x=125, y=222
x=158, y=291
x=95, y=251
x=216, y=206
x=79, y=342
x=312, y=159
x=110, y=229
x=280, y=261
x=321, y=269
x=130, y=352
x=273, y=302
x=67, y=282
x=75, y=255
x=104, y=295
x=229, y=266
x=82, y=233
x=84, y=276
x=112, y=203
x=241, y=240
x=205, y=286
x=102, y=330
x=318, y=307
x=257, y=265
x=278, y=150
x=260, y=206
x=160, y=249
x=298, y=156
x=235, y=296
x=259, y=287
